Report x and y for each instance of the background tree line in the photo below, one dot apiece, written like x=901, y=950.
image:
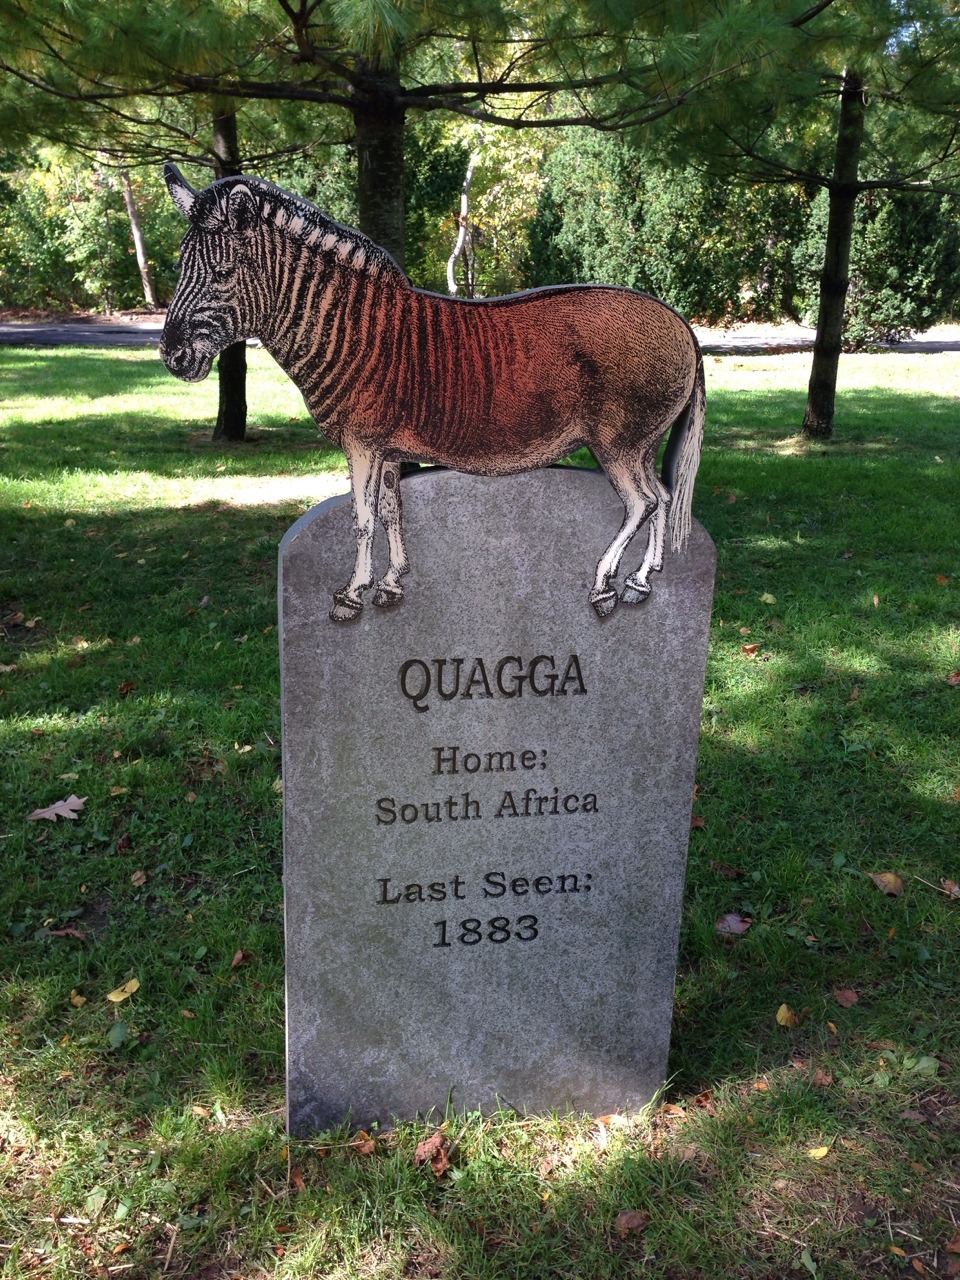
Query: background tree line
x=588, y=207
x=814, y=134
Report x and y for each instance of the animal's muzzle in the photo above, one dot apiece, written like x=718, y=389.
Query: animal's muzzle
x=184, y=360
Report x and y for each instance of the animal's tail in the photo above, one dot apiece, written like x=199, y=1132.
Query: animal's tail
x=681, y=458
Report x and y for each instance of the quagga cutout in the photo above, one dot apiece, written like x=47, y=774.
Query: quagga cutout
x=392, y=373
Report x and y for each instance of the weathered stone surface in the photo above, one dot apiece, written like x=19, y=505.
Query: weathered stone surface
x=553, y=820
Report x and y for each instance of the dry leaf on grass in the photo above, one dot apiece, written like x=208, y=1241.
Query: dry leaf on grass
x=631, y=1222
x=845, y=996
x=119, y=994
x=889, y=882
x=433, y=1149
x=733, y=924
x=68, y=808
x=787, y=1017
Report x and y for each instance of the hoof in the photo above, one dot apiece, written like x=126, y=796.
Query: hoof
x=604, y=602
x=387, y=597
x=345, y=607
x=634, y=592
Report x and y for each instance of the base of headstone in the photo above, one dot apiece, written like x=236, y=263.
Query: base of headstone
x=487, y=798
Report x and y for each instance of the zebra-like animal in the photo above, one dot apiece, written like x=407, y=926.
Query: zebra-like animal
x=392, y=373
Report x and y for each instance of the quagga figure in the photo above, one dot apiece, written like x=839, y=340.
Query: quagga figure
x=392, y=373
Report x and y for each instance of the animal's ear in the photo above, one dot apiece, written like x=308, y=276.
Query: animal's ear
x=181, y=192
x=243, y=212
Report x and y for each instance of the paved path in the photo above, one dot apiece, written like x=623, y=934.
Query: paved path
x=745, y=340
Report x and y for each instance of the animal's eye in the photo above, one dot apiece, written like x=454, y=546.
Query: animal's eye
x=222, y=275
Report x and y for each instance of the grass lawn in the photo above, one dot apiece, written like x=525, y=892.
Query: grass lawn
x=812, y=1123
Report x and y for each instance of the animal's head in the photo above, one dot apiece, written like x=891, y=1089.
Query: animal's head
x=220, y=294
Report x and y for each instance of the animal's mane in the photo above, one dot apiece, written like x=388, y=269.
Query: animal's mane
x=304, y=221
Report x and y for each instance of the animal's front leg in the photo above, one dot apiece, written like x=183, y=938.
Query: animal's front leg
x=365, y=466
x=389, y=508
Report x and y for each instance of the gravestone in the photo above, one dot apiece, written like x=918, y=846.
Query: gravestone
x=487, y=798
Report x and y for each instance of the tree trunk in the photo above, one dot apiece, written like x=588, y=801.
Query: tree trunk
x=463, y=249
x=136, y=231
x=379, y=131
x=232, y=365
x=835, y=276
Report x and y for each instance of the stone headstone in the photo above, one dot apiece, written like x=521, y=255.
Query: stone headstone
x=487, y=798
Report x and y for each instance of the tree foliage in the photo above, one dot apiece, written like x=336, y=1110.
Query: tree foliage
x=613, y=212
x=905, y=264
x=65, y=235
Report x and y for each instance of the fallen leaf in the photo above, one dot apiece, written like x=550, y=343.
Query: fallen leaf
x=238, y=958
x=68, y=932
x=296, y=1178
x=876, y=602
x=818, y=1153
x=138, y=878
x=631, y=1222
x=697, y=824
x=433, y=1149
x=134, y=640
x=954, y=678
x=897, y=1251
x=845, y=996
x=127, y=686
x=734, y=923
x=942, y=579
x=119, y=994
x=889, y=882
x=787, y=1017
x=188, y=1013
x=954, y=1245
x=848, y=555
x=767, y=598
x=751, y=649
x=76, y=999
x=918, y=1266
x=821, y=1079
x=119, y=791
x=68, y=808
x=366, y=1148
x=725, y=869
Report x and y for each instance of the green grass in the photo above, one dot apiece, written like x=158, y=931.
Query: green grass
x=145, y=1138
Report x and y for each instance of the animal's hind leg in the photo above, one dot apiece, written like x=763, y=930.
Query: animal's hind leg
x=637, y=587
x=638, y=503
x=390, y=511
